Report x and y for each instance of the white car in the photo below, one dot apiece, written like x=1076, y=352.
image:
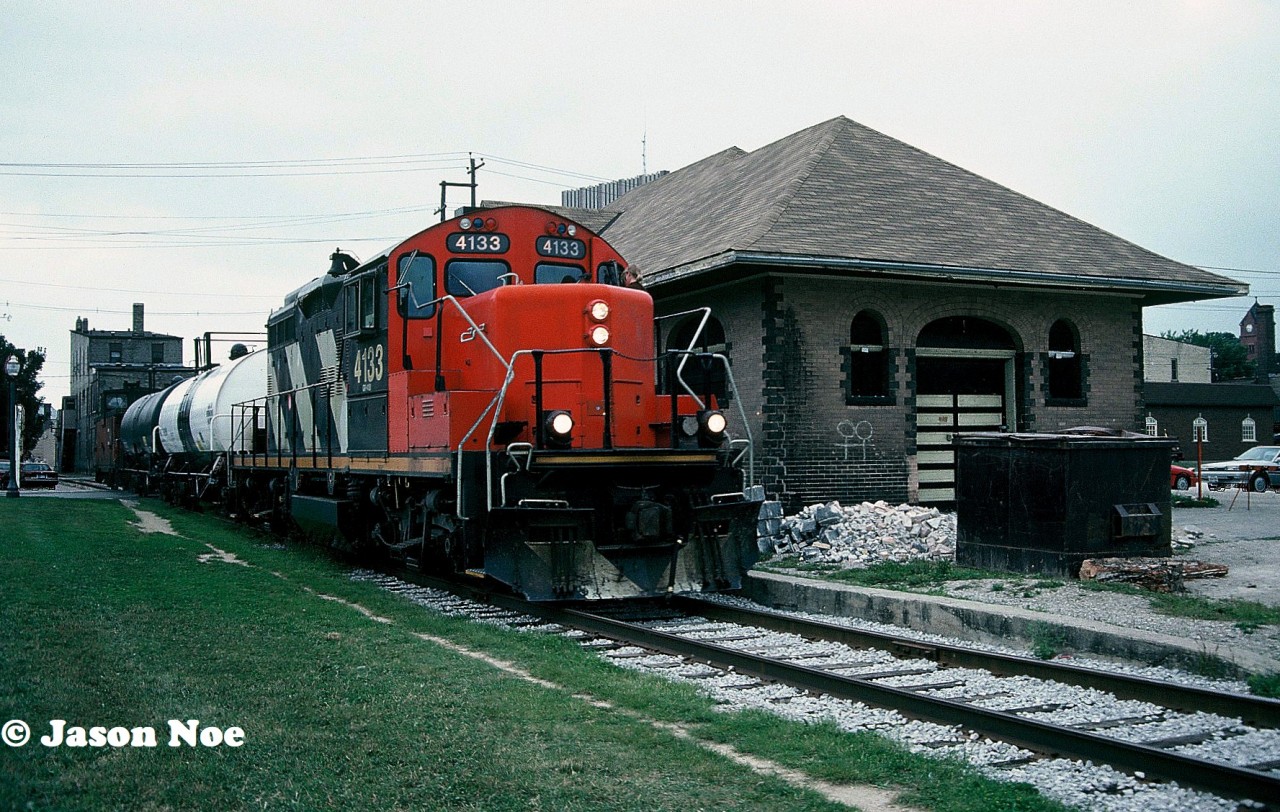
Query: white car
x=1258, y=468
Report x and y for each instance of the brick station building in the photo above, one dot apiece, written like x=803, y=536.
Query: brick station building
x=874, y=299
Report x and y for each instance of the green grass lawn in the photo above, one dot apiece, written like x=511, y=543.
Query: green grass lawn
x=102, y=624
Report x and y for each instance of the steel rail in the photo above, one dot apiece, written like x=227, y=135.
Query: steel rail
x=1051, y=740
x=1254, y=710
x=1216, y=777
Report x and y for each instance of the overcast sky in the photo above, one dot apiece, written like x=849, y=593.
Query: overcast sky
x=205, y=158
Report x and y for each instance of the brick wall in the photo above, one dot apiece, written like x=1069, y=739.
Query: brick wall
x=1225, y=429
x=790, y=336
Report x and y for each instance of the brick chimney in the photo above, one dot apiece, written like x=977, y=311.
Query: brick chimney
x=137, y=318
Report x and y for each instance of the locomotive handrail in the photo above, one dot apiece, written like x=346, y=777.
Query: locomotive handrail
x=462, y=444
x=294, y=431
x=476, y=329
x=742, y=414
x=495, y=405
x=500, y=399
x=231, y=415
x=247, y=411
x=693, y=342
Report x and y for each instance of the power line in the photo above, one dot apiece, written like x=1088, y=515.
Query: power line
x=360, y=165
x=379, y=164
x=542, y=168
x=236, y=242
x=16, y=305
x=99, y=216
x=183, y=294
x=206, y=175
x=531, y=180
x=1258, y=271
x=241, y=164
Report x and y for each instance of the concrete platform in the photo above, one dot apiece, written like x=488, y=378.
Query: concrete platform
x=1009, y=626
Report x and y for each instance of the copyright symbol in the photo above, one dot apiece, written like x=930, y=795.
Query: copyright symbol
x=15, y=733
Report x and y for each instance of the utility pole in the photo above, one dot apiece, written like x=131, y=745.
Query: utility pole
x=444, y=185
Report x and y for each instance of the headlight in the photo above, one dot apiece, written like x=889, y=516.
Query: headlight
x=711, y=427
x=599, y=335
x=557, y=427
x=716, y=423
x=599, y=310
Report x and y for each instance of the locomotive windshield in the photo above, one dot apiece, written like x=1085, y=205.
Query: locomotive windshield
x=471, y=277
x=550, y=273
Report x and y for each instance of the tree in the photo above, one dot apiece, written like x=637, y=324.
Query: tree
x=32, y=361
x=1229, y=355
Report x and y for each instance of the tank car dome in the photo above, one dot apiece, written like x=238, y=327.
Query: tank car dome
x=238, y=351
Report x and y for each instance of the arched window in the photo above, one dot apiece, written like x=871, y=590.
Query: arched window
x=1064, y=366
x=703, y=375
x=1248, y=430
x=1200, y=429
x=868, y=368
x=1153, y=426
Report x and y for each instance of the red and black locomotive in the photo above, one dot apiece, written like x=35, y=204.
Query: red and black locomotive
x=486, y=396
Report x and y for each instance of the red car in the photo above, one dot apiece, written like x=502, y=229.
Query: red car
x=1181, y=478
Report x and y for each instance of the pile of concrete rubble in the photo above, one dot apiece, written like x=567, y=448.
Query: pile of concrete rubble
x=858, y=535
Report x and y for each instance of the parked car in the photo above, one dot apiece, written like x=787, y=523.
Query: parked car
x=1258, y=469
x=1181, y=478
x=38, y=475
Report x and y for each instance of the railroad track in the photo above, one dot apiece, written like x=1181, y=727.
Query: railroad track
x=1222, y=743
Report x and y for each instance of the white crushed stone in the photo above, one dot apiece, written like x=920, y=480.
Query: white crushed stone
x=1081, y=784
x=860, y=535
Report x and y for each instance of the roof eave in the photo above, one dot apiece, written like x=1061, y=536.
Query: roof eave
x=1152, y=291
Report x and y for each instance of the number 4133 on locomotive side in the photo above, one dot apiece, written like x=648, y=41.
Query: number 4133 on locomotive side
x=368, y=366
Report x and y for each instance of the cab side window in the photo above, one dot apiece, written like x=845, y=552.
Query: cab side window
x=362, y=306
x=416, y=279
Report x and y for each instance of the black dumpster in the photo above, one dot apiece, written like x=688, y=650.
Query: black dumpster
x=1043, y=503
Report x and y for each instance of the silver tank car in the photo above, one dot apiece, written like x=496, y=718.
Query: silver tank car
x=196, y=418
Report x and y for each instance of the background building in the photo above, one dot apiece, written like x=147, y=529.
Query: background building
x=1167, y=361
x=109, y=370
x=602, y=194
x=875, y=299
x=1258, y=335
x=1237, y=416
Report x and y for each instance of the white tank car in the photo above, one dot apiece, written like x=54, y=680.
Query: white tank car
x=196, y=416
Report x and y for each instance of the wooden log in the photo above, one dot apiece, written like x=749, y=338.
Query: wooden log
x=1155, y=574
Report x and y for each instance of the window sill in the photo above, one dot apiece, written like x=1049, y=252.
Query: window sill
x=870, y=400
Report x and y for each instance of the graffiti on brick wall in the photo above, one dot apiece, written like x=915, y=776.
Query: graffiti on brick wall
x=855, y=436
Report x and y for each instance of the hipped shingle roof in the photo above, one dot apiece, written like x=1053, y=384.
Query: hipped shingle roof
x=842, y=196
